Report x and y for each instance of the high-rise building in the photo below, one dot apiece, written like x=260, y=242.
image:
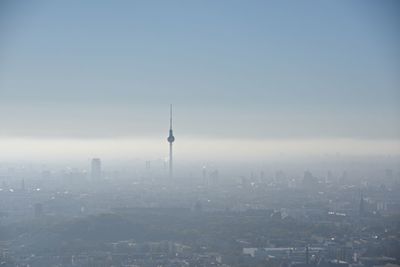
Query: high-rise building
x=23, y=185
x=148, y=165
x=204, y=174
x=361, y=208
x=96, y=169
x=170, y=139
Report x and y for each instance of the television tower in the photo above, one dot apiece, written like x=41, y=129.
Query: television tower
x=170, y=139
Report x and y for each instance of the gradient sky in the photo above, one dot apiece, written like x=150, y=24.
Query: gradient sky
x=242, y=70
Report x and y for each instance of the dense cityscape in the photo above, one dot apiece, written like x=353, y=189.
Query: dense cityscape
x=173, y=133
x=102, y=217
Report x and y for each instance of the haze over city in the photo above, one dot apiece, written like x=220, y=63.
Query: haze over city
x=199, y=133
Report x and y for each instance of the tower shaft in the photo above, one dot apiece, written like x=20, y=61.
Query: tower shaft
x=170, y=161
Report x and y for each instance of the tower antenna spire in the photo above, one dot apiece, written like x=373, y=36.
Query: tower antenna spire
x=170, y=116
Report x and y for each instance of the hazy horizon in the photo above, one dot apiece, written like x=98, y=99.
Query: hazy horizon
x=264, y=77
x=284, y=149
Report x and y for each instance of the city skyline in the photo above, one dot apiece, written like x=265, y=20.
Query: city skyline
x=286, y=115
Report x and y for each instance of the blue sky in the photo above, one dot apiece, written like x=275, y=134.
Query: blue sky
x=232, y=69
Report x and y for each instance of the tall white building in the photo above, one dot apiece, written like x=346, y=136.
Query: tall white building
x=96, y=169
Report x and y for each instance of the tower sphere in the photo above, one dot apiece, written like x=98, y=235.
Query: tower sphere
x=171, y=138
